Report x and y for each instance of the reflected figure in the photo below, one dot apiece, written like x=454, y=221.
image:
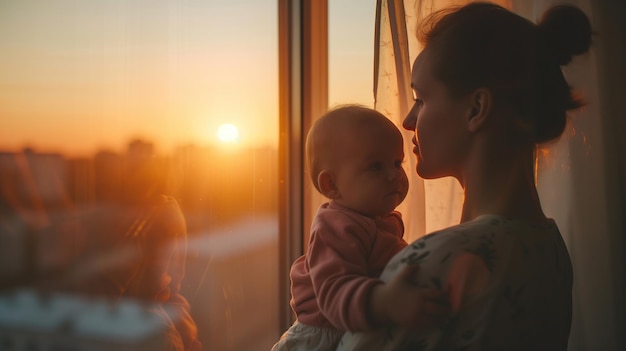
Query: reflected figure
x=146, y=245
x=142, y=246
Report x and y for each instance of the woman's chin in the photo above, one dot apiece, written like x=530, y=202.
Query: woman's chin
x=425, y=173
x=422, y=171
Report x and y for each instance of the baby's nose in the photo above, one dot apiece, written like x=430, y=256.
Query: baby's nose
x=393, y=174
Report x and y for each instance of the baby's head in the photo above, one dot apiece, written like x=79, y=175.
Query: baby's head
x=354, y=156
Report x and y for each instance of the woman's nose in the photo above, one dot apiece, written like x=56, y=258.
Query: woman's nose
x=410, y=120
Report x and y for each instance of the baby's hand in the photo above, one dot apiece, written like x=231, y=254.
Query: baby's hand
x=402, y=302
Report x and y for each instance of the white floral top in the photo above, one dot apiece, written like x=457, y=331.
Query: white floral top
x=509, y=283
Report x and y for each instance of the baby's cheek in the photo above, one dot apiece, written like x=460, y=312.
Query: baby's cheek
x=468, y=277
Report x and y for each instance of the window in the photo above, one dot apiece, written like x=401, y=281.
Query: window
x=106, y=107
x=351, y=27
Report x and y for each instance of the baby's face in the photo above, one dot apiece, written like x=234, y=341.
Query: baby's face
x=370, y=177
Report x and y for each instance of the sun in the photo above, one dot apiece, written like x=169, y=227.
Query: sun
x=227, y=133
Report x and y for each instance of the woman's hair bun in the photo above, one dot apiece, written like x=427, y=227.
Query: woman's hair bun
x=565, y=31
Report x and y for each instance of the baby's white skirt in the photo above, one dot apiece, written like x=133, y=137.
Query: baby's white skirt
x=302, y=337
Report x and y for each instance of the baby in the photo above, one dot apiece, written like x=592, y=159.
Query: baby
x=354, y=156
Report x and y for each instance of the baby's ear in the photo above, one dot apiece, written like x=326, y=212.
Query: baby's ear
x=326, y=183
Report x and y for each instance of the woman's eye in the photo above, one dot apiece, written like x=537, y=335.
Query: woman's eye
x=417, y=99
x=399, y=163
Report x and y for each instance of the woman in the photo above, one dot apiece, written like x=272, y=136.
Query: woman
x=488, y=89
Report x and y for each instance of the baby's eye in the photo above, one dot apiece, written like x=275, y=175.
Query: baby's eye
x=376, y=166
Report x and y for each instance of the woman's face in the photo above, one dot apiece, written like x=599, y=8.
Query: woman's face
x=439, y=122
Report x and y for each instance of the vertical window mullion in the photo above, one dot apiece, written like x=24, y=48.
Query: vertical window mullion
x=303, y=95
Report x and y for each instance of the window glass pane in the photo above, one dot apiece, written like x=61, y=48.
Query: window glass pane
x=138, y=173
x=351, y=25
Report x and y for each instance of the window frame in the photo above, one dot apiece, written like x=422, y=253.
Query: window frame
x=303, y=94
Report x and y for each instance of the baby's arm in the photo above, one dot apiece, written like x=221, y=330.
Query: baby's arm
x=346, y=293
x=337, y=262
x=402, y=302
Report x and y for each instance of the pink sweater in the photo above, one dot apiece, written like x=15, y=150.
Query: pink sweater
x=332, y=282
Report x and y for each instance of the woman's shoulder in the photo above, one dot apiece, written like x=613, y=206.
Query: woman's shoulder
x=489, y=225
x=482, y=234
x=460, y=232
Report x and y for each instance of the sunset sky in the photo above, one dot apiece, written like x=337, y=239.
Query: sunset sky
x=77, y=76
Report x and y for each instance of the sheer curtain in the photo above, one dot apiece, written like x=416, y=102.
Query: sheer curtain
x=580, y=178
x=432, y=204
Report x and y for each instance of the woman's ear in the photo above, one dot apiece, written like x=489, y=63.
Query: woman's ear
x=327, y=186
x=481, y=101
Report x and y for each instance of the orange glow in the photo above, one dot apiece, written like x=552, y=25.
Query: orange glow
x=92, y=76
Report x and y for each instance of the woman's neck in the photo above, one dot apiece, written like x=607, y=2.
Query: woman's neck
x=501, y=183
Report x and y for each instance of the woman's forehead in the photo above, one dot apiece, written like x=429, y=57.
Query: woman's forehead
x=421, y=69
